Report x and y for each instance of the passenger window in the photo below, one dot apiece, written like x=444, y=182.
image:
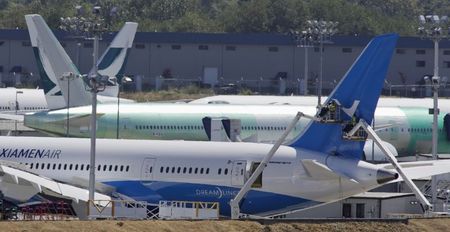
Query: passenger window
x=42, y=166
x=226, y=171
x=167, y=169
x=110, y=168
x=115, y=168
x=76, y=166
x=70, y=167
x=219, y=171
x=190, y=170
x=160, y=170
x=59, y=166
x=184, y=170
x=207, y=171
x=196, y=171
x=54, y=166
x=173, y=169
x=128, y=168
x=121, y=168
x=65, y=166
x=179, y=170
x=99, y=167
x=48, y=166
x=82, y=167
x=87, y=167
x=31, y=166
x=201, y=170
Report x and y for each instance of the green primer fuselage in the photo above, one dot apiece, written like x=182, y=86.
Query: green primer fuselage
x=408, y=129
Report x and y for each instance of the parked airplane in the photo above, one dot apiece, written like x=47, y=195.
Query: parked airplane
x=54, y=63
x=319, y=166
x=408, y=130
x=444, y=104
x=20, y=101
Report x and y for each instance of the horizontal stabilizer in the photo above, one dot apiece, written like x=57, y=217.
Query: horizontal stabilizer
x=14, y=117
x=382, y=127
x=421, y=169
x=21, y=185
x=318, y=171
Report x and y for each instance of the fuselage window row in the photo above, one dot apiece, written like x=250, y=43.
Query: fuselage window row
x=79, y=167
x=185, y=170
x=167, y=127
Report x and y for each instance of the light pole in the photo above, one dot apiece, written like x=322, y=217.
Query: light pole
x=90, y=26
x=431, y=27
x=16, y=106
x=96, y=84
x=319, y=31
x=121, y=81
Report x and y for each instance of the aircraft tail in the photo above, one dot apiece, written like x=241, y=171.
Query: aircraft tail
x=113, y=60
x=53, y=63
x=353, y=99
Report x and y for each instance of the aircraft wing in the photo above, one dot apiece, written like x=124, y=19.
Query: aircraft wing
x=107, y=99
x=421, y=169
x=20, y=185
x=15, y=117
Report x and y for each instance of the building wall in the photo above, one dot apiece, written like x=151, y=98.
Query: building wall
x=400, y=205
x=249, y=64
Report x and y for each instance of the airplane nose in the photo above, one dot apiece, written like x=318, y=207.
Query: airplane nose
x=384, y=176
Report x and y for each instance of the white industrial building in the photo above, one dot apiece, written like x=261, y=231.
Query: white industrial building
x=367, y=205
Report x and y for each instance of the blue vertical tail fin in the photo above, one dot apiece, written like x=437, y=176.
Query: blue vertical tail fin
x=354, y=98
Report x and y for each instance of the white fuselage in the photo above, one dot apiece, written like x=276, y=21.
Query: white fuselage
x=26, y=100
x=194, y=171
x=385, y=101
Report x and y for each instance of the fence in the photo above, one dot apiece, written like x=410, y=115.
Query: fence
x=188, y=210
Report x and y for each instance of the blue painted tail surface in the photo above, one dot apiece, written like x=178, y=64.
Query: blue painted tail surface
x=360, y=88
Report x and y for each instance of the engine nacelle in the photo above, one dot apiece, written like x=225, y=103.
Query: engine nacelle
x=378, y=155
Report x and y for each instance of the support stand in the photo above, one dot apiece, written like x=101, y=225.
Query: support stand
x=371, y=133
x=234, y=203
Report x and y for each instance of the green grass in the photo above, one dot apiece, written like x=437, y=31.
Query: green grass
x=188, y=92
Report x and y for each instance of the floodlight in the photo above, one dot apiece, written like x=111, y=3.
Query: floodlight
x=436, y=19
x=96, y=10
x=421, y=19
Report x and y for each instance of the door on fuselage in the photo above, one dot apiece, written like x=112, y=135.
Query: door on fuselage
x=12, y=105
x=148, y=169
x=238, y=172
x=447, y=126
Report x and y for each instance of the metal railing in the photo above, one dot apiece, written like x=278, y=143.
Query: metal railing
x=118, y=209
x=188, y=210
